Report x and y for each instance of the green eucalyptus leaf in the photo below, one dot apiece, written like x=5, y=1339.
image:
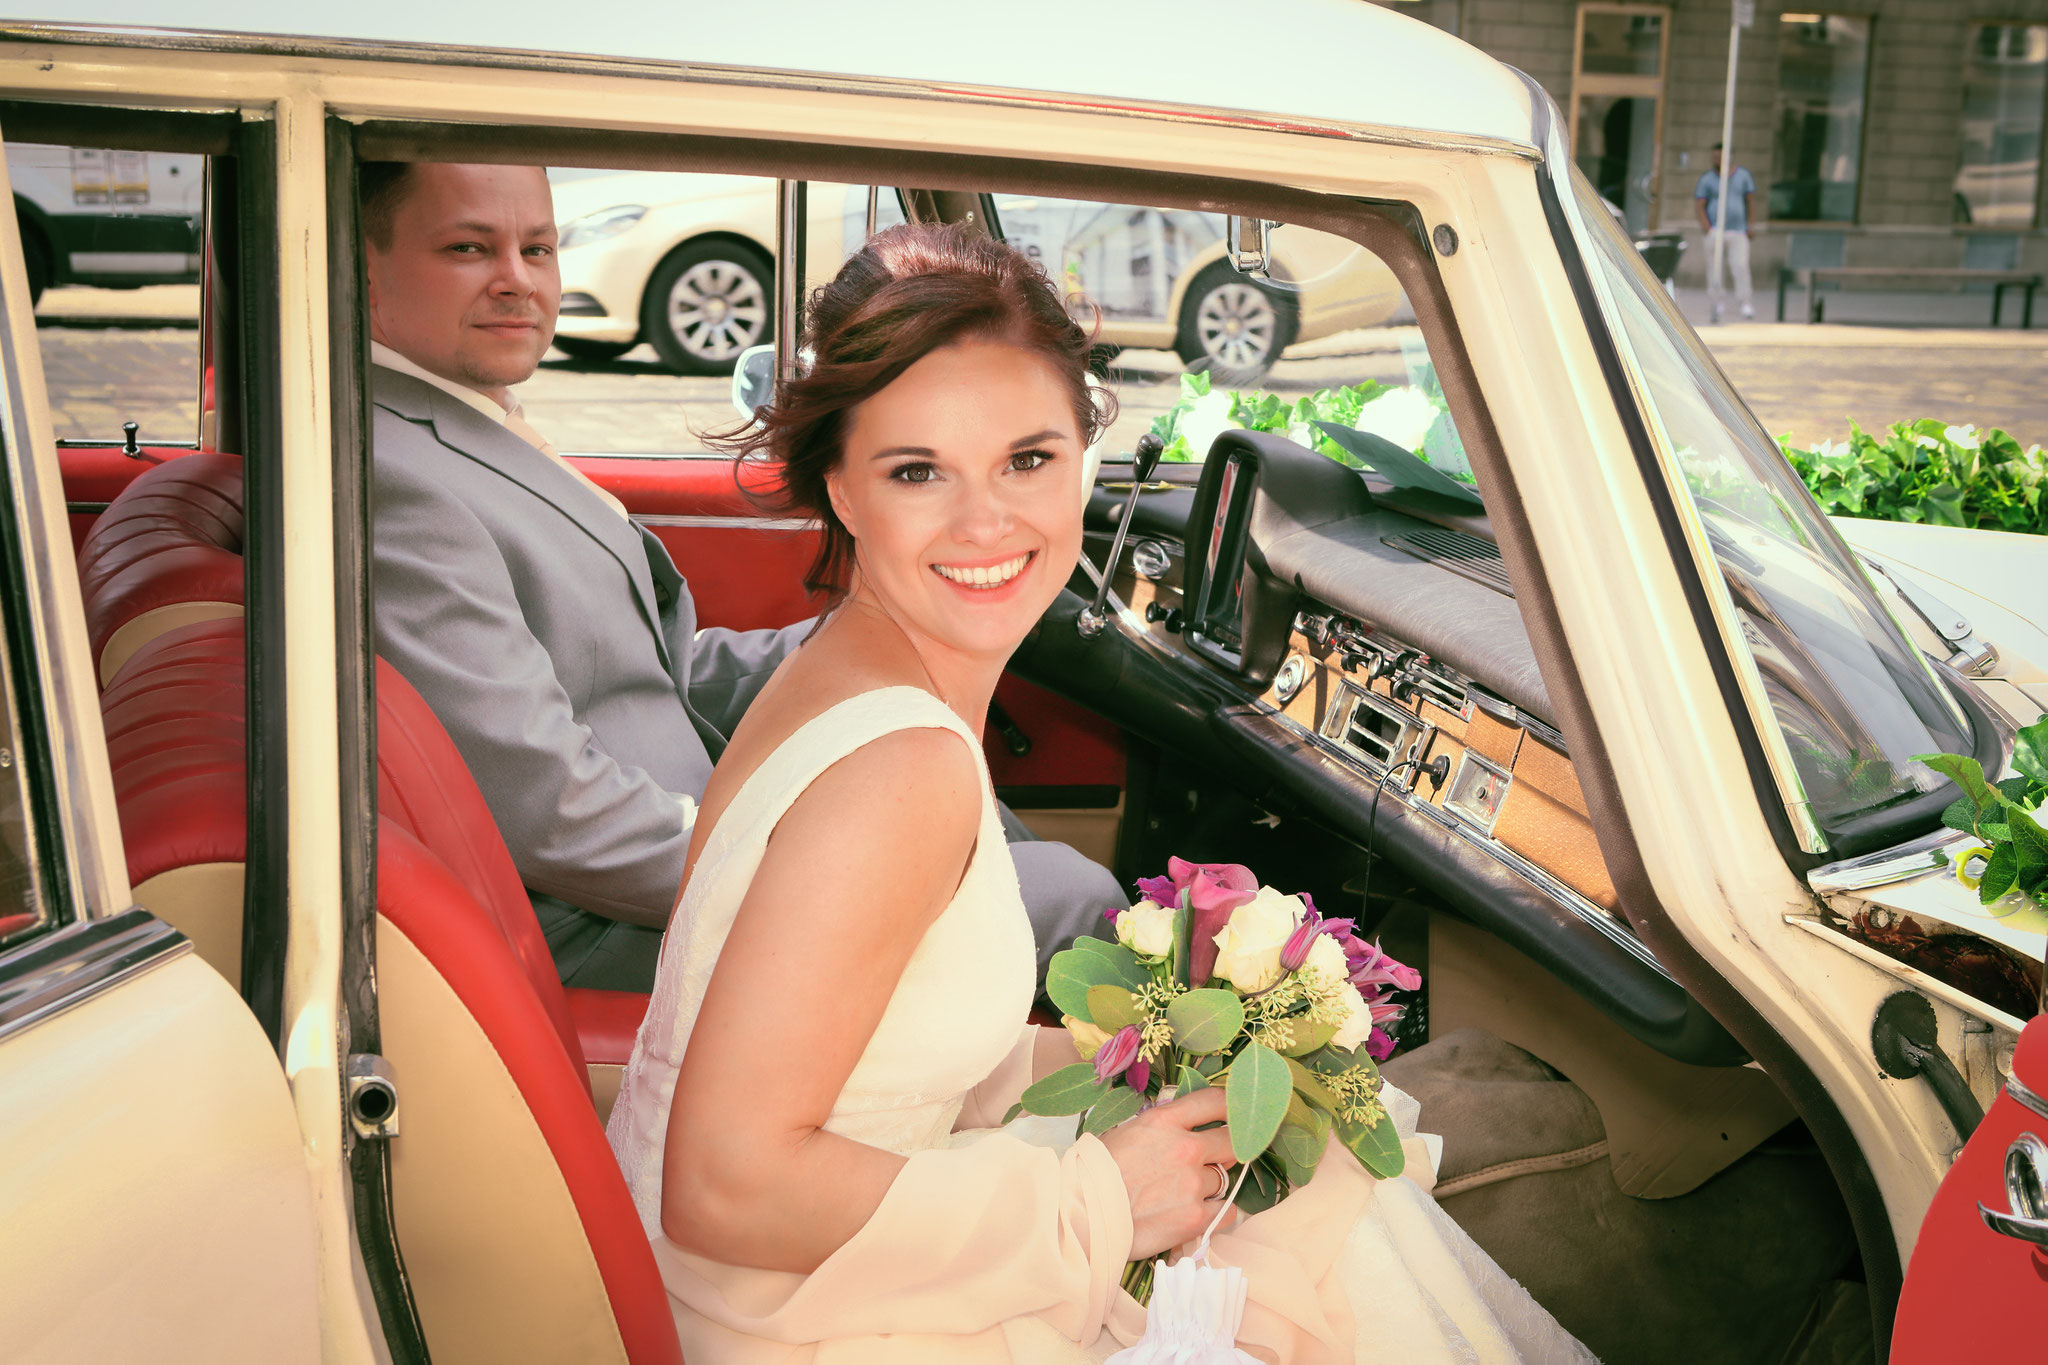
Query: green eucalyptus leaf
x=1311, y=1086
x=1073, y=972
x=1205, y=1021
x=1212, y=1065
x=1015, y=1110
x=1300, y=1149
x=1112, y=1007
x=1069, y=1090
x=1377, y=1146
x=1309, y=1037
x=1119, y=1104
x=1189, y=1081
x=1256, y=1099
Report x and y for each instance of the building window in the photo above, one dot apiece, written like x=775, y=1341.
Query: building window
x=2003, y=90
x=1618, y=104
x=1817, y=156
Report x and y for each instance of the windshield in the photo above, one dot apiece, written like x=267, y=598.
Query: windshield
x=1853, y=698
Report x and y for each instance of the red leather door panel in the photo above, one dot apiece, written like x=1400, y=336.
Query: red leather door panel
x=1973, y=1294
x=745, y=568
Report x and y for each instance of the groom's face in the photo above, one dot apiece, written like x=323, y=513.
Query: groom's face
x=465, y=282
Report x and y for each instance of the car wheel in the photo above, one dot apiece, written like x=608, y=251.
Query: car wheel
x=1233, y=327
x=705, y=304
x=36, y=257
x=576, y=348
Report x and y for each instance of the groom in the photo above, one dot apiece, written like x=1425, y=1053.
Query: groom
x=550, y=633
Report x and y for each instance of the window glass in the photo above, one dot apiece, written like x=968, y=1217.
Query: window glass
x=22, y=909
x=1443, y=14
x=110, y=239
x=1852, y=697
x=1620, y=44
x=1817, y=153
x=666, y=278
x=1194, y=346
x=2003, y=89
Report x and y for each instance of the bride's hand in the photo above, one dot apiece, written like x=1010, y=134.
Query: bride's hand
x=1166, y=1171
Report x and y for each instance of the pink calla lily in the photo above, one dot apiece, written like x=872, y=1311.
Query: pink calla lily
x=1116, y=1055
x=1213, y=891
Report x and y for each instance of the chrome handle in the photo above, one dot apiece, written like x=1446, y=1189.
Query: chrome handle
x=2026, y=1192
x=1094, y=618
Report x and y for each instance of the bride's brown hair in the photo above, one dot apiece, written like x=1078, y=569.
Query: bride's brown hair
x=909, y=291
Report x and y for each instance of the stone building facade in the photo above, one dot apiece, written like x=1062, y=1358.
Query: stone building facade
x=1879, y=132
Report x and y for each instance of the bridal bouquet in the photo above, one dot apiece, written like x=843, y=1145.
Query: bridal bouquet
x=1215, y=980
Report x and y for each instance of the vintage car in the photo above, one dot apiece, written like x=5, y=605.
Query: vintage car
x=685, y=263
x=1536, y=658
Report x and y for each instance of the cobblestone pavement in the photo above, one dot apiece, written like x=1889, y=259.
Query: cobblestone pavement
x=1809, y=382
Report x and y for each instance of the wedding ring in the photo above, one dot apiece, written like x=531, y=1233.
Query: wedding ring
x=1222, y=1182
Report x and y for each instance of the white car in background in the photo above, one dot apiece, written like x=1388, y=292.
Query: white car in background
x=684, y=262
x=94, y=215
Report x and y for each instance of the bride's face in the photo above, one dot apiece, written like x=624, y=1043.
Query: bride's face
x=961, y=485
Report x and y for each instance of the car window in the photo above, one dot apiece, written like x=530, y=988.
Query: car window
x=1324, y=348
x=666, y=278
x=110, y=239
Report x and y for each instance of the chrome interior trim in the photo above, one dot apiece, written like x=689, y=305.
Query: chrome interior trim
x=1479, y=809
x=58, y=971
x=900, y=87
x=727, y=523
x=1762, y=718
x=1599, y=920
x=1923, y=854
x=2020, y=1091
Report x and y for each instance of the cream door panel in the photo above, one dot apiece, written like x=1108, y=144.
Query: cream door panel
x=152, y=1187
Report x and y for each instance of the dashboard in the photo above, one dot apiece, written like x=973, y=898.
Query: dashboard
x=1360, y=646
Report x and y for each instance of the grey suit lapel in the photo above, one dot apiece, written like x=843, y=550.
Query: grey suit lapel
x=476, y=437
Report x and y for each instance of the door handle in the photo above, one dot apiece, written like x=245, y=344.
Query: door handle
x=2026, y=1180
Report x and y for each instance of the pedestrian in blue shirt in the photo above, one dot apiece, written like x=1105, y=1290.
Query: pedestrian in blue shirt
x=1707, y=197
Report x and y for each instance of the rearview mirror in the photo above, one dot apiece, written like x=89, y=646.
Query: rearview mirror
x=753, y=379
x=1247, y=246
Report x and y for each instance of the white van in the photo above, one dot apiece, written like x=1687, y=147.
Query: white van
x=91, y=215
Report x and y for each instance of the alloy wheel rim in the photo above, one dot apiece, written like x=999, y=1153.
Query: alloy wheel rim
x=716, y=309
x=1236, y=325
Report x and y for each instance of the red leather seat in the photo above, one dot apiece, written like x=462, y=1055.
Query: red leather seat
x=167, y=552
x=519, y=1235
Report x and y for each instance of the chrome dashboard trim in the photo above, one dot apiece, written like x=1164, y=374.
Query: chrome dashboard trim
x=1924, y=854
x=1592, y=915
x=63, y=969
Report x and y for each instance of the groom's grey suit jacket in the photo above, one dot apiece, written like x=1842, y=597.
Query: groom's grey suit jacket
x=549, y=635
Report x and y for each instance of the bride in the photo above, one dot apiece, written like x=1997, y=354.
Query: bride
x=807, y=1123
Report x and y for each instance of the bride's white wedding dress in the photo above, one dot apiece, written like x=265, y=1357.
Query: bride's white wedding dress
x=989, y=1247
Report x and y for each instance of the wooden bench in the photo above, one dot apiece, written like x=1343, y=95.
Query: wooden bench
x=1921, y=277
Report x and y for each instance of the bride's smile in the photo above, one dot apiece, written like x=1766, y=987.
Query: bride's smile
x=961, y=486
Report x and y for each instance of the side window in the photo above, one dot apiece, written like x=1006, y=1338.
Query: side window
x=111, y=242
x=666, y=278
x=23, y=909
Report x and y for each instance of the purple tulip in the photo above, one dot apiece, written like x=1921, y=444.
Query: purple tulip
x=1117, y=1054
x=1159, y=890
x=1295, y=951
x=1139, y=1075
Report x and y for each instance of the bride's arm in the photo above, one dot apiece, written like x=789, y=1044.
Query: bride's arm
x=858, y=868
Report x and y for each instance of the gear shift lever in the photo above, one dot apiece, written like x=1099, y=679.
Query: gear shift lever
x=1144, y=461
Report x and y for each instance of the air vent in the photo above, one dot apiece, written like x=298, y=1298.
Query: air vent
x=1465, y=555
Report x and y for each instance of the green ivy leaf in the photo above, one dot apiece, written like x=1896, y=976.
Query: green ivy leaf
x=1112, y=1007
x=2000, y=872
x=1069, y=1090
x=2030, y=752
x=1256, y=1099
x=1118, y=1105
x=2030, y=847
x=1205, y=1020
x=1968, y=774
x=1073, y=972
x=1961, y=814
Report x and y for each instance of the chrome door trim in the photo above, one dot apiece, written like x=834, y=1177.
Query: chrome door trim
x=726, y=523
x=2020, y=1091
x=63, y=969
x=898, y=87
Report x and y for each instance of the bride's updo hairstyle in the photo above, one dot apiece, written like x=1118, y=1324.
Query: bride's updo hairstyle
x=909, y=291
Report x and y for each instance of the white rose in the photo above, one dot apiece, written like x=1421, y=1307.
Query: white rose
x=1146, y=929
x=1326, y=957
x=1248, y=947
x=1357, y=1025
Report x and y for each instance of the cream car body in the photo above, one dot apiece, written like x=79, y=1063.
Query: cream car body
x=1633, y=624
